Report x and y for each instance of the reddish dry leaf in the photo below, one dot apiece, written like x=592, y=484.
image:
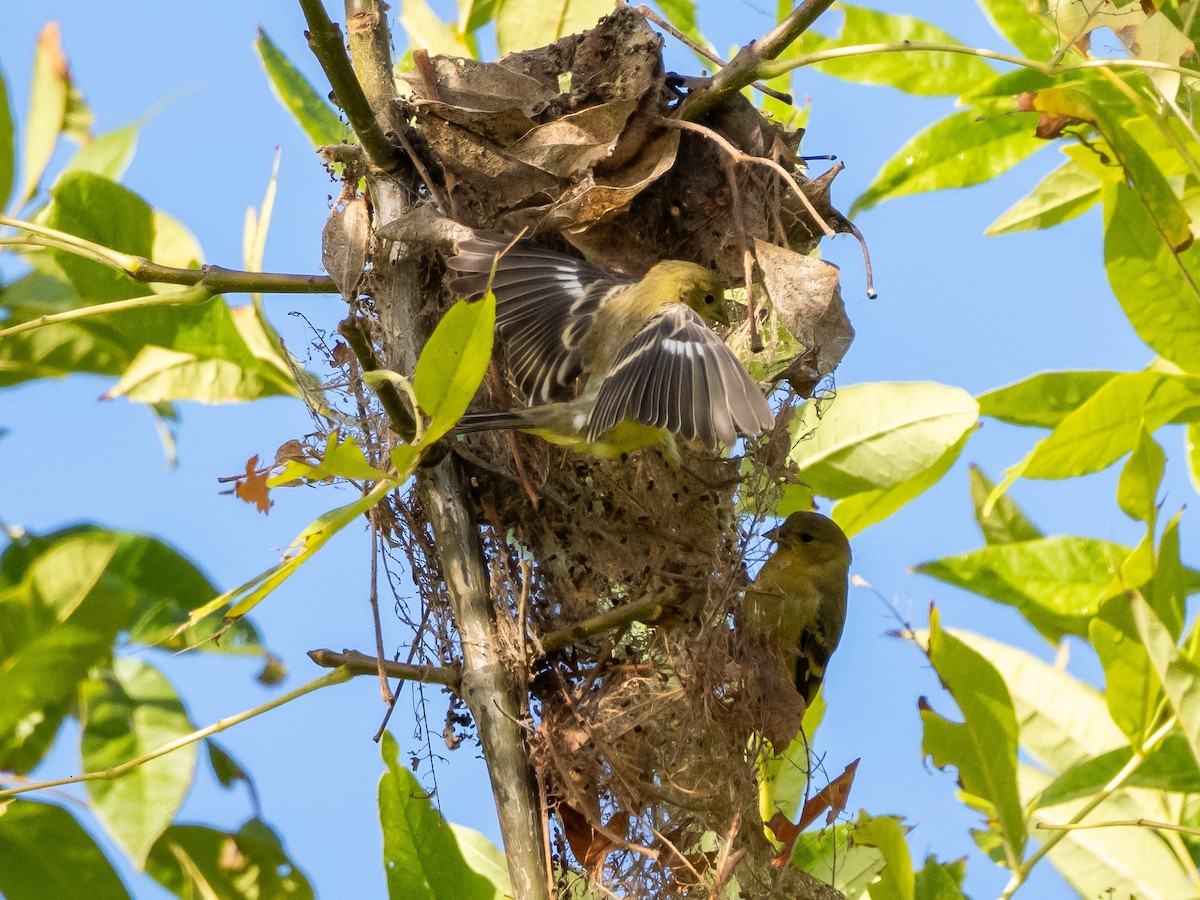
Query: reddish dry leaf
x=254, y=488
x=832, y=797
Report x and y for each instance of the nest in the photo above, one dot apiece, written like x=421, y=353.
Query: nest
x=644, y=736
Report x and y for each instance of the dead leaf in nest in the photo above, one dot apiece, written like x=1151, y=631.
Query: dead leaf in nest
x=597, y=198
x=806, y=296
x=344, y=243
x=253, y=489
x=470, y=84
x=587, y=844
x=568, y=146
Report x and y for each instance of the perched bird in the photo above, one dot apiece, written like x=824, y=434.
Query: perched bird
x=612, y=363
x=798, y=598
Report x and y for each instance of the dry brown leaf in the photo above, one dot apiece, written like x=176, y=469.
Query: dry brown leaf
x=253, y=489
x=568, y=146
x=806, y=295
x=345, y=240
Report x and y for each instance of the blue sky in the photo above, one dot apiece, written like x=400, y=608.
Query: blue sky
x=954, y=307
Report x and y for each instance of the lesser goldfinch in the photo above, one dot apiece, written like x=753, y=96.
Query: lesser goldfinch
x=798, y=598
x=615, y=363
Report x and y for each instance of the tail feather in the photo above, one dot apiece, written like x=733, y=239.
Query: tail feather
x=473, y=423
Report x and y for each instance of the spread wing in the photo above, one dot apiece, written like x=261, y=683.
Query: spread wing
x=677, y=374
x=545, y=303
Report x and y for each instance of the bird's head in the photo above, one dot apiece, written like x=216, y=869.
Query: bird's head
x=692, y=285
x=812, y=536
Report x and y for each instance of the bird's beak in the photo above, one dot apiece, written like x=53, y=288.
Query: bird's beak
x=773, y=534
x=720, y=316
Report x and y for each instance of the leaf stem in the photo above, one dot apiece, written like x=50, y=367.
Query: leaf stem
x=186, y=297
x=357, y=663
x=216, y=278
x=1021, y=873
x=325, y=41
x=337, y=676
x=772, y=68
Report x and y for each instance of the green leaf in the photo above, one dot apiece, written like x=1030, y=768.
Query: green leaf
x=484, y=857
x=101, y=211
x=8, y=158
x=940, y=881
x=126, y=714
x=1005, y=523
x=1058, y=583
x=960, y=150
x=983, y=747
x=1107, y=425
x=1064, y=721
x=226, y=365
x=48, y=97
x=1015, y=21
x=1179, y=675
x=1065, y=193
x=835, y=858
x=420, y=852
x=1042, y=400
x=250, y=864
x=453, y=362
x=165, y=584
x=343, y=458
x=523, y=24
x=227, y=770
x=1171, y=767
x=1132, y=689
x=57, y=857
x=682, y=14
x=1117, y=862
x=925, y=73
x=876, y=436
x=1155, y=285
x=316, y=118
x=1137, y=490
x=425, y=30
x=1108, y=109
x=886, y=834
x=475, y=14
x=1168, y=588
x=108, y=155
x=858, y=511
x=56, y=622
x=318, y=532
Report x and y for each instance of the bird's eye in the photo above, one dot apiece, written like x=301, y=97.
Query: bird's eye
x=807, y=538
x=709, y=298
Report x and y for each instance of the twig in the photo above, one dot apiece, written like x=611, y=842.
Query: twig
x=216, y=278
x=186, y=297
x=739, y=156
x=1120, y=823
x=1021, y=872
x=325, y=41
x=617, y=617
x=338, y=676
x=385, y=690
x=357, y=332
x=701, y=50
x=360, y=664
x=748, y=65
x=772, y=68
x=756, y=344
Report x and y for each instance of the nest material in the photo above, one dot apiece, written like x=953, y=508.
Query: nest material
x=644, y=738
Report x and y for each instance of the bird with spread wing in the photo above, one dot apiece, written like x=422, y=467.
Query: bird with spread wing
x=609, y=363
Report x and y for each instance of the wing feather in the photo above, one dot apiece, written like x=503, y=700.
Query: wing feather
x=545, y=304
x=676, y=373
